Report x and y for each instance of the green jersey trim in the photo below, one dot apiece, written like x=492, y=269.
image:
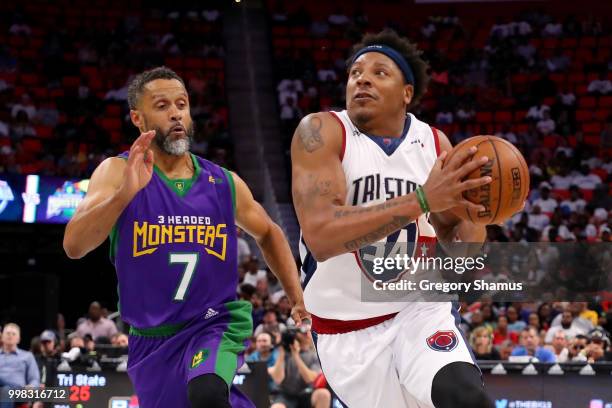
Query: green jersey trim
x=180, y=186
x=230, y=179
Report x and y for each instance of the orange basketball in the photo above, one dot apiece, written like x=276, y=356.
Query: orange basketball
x=505, y=195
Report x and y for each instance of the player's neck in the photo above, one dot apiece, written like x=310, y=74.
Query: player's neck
x=174, y=166
x=384, y=126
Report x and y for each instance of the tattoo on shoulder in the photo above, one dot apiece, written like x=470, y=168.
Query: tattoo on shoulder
x=310, y=134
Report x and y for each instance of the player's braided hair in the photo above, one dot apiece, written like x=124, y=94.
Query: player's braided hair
x=137, y=84
x=408, y=50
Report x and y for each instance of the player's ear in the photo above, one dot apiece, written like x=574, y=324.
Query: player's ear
x=408, y=93
x=137, y=119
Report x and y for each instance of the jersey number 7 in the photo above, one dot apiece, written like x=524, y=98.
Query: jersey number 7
x=190, y=259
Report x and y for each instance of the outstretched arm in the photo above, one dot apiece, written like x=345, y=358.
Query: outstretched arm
x=329, y=226
x=251, y=217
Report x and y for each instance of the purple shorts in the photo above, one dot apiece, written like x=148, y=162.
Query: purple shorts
x=163, y=360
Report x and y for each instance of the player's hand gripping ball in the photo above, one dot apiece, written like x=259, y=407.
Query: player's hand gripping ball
x=506, y=194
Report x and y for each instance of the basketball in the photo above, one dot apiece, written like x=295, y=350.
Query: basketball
x=505, y=195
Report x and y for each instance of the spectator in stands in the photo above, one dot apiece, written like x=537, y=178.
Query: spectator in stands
x=338, y=18
x=505, y=349
x=585, y=179
x=567, y=325
x=546, y=203
x=460, y=134
x=481, y=341
x=598, y=343
x=244, y=251
x=296, y=368
x=271, y=325
x=264, y=350
x=601, y=198
x=25, y=104
x=507, y=133
x=17, y=367
x=501, y=332
x=552, y=29
x=601, y=85
x=559, y=346
x=49, y=358
x=21, y=127
x=537, y=220
x=444, y=117
x=514, y=324
x=536, y=112
x=530, y=341
x=546, y=125
x=562, y=180
x=567, y=97
x=575, y=203
x=119, y=340
x=527, y=52
x=559, y=62
x=96, y=325
x=253, y=273
x=290, y=113
x=576, y=348
x=465, y=113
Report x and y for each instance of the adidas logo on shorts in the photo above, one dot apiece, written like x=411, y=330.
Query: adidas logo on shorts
x=210, y=313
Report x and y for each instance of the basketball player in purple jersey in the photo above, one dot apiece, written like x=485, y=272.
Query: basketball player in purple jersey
x=171, y=218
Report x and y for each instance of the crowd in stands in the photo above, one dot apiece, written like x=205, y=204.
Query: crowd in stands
x=63, y=92
x=541, y=82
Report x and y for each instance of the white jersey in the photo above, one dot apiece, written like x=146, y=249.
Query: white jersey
x=377, y=169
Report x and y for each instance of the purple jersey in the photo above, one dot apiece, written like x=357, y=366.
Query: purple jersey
x=174, y=247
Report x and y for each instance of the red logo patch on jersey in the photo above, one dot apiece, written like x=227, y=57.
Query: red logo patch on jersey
x=443, y=340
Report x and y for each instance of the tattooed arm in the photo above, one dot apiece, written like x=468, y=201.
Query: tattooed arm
x=331, y=228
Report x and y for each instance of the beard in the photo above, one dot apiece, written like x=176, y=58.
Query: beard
x=170, y=145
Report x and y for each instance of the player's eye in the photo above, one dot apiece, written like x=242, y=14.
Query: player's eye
x=381, y=73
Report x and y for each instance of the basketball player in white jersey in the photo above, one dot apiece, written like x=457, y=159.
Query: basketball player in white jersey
x=375, y=172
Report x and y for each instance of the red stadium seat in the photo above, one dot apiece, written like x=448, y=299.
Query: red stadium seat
x=111, y=124
x=581, y=90
x=113, y=110
x=592, y=139
x=303, y=42
x=31, y=145
x=503, y=117
x=279, y=31
x=587, y=42
x=605, y=102
x=561, y=194
x=586, y=194
x=519, y=115
x=521, y=128
x=484, y=117
x=569, y=43
x=550, y=43
x=591, y=127
x=602, y=114
x=71, y=82
x=559, y=79
x=603, y=174
x=575, y=77
x=587, y=102
x=44, y=132
x=28, y=79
